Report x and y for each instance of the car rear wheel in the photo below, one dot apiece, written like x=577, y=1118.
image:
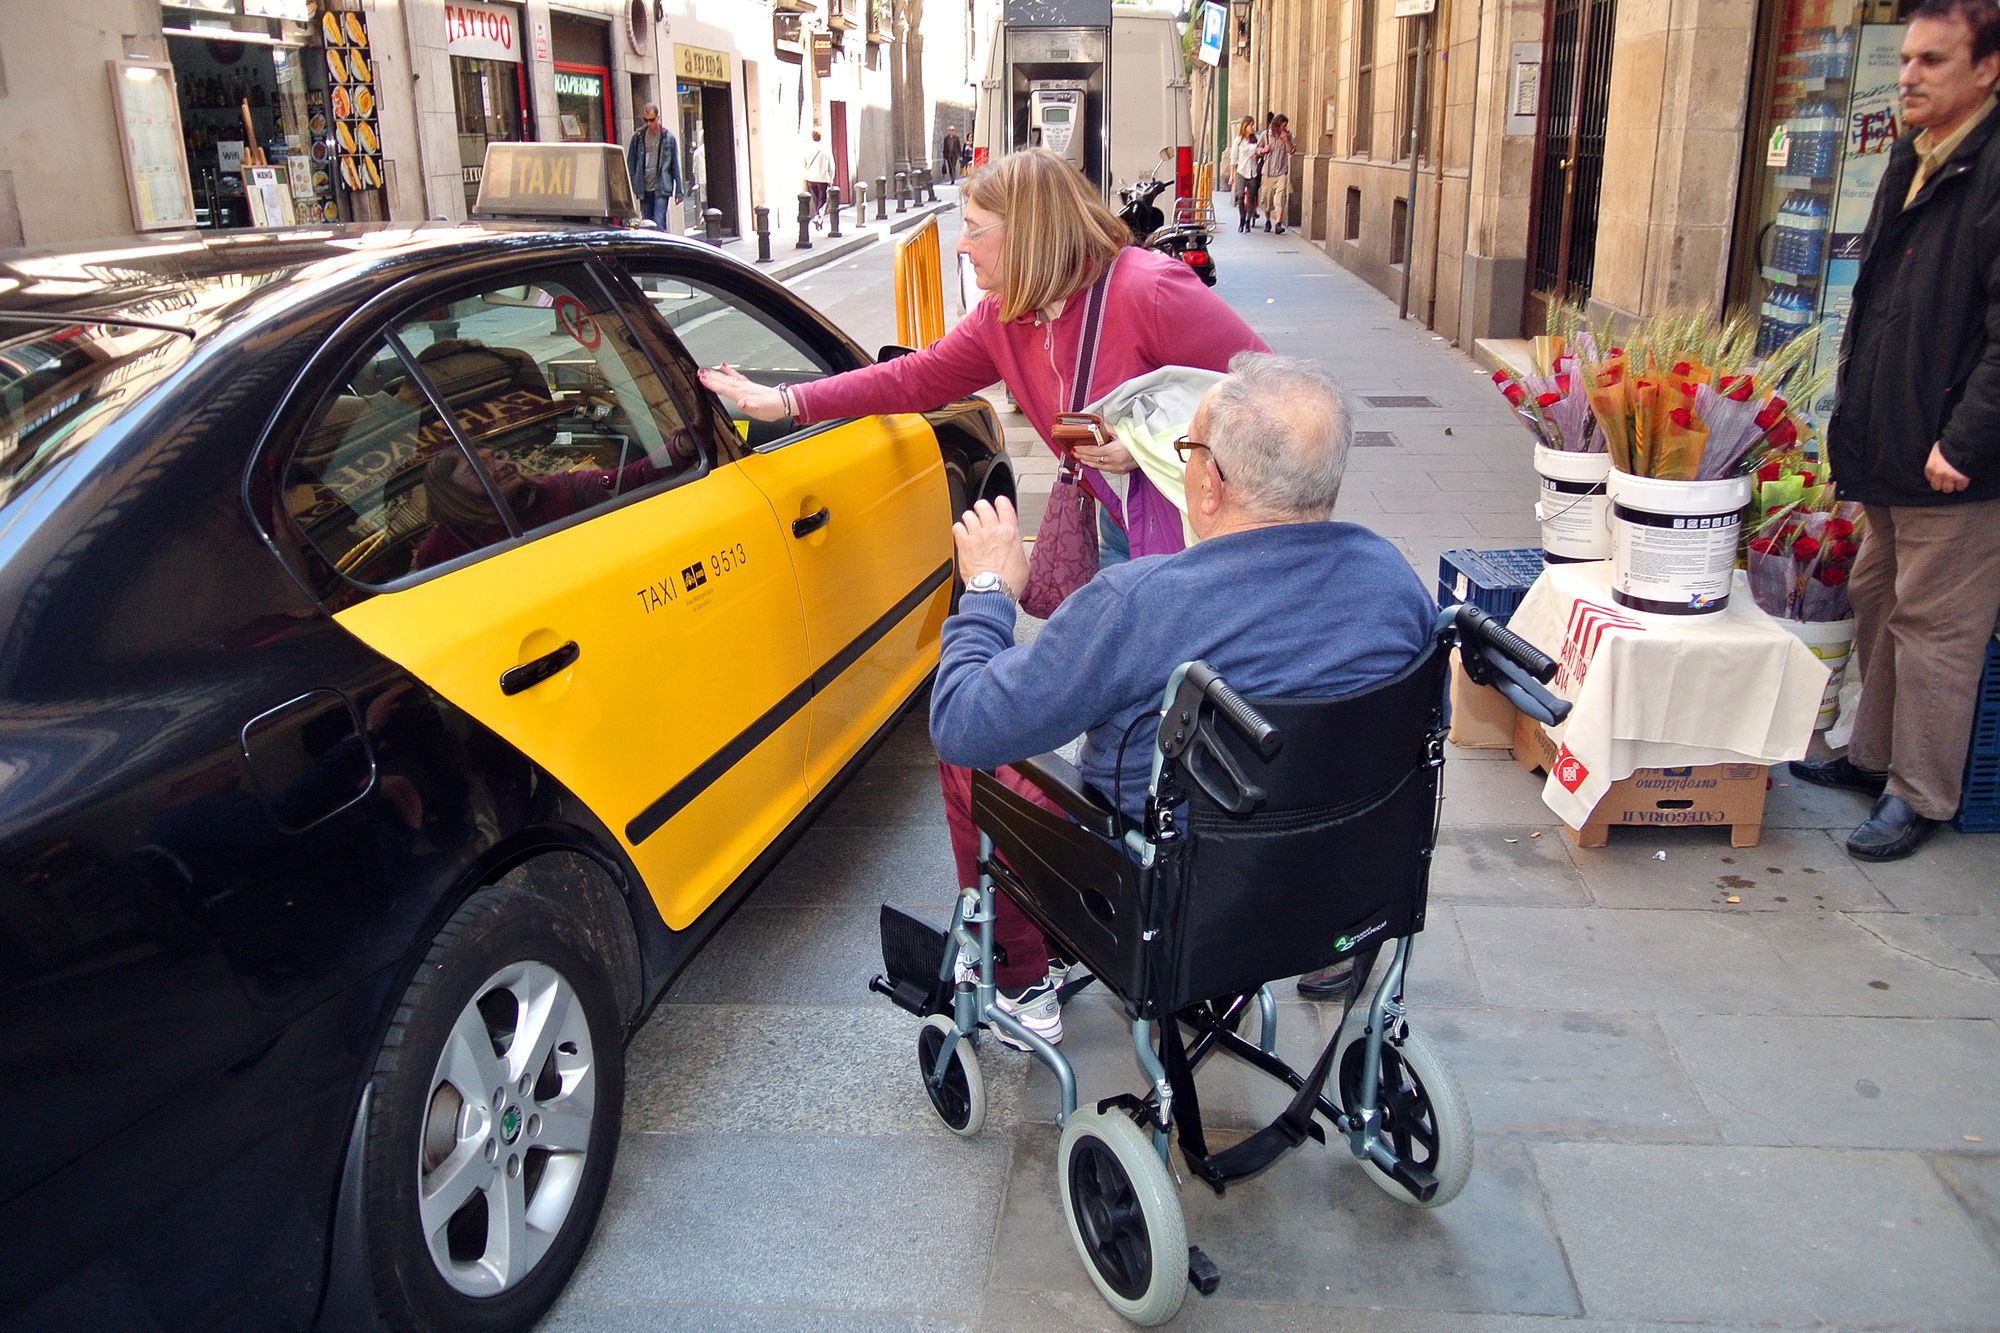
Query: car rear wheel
x=498, y=1096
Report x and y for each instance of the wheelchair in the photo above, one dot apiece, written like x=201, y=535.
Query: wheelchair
x=1278, y=836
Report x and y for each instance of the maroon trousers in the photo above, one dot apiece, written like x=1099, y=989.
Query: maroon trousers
x=1026, y=947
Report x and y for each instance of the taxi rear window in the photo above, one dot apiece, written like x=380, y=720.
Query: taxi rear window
x=59, y=385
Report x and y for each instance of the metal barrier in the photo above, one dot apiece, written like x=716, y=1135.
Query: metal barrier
x=1198, y=208
x=919, y=287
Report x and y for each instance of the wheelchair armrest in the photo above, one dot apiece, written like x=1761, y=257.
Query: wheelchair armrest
x=1059, y=780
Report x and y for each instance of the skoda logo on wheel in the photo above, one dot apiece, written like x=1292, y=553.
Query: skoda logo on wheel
x=510, y=1123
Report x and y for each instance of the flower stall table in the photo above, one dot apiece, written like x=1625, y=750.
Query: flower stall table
x=1731, y=689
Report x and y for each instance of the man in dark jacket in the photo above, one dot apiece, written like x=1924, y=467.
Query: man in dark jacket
x=653, y=160
x=1915, y=434
x=954, y=148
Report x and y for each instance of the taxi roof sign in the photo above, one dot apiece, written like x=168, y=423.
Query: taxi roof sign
x=574, y=182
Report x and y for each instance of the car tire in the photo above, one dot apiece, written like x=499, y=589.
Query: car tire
x=498, y=1094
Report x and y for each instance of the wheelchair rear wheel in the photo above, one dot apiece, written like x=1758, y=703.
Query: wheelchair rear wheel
x=959, y=1098
x=1123, y=1215
x=1424, y=1115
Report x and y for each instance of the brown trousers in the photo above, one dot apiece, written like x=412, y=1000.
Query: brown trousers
x=1926, y=593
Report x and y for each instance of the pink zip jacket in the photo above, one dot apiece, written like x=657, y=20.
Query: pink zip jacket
x=1156, y=313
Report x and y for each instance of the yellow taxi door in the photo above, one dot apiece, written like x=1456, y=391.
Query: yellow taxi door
x=634, y=624
x=675, y=722
x=865, y=502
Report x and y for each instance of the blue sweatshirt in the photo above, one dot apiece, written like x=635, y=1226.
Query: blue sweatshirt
x=1299, y=610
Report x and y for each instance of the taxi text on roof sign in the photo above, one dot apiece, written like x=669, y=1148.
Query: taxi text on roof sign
x=568, y=181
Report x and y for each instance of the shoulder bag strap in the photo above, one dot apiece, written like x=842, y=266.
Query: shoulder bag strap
x=1086, y=343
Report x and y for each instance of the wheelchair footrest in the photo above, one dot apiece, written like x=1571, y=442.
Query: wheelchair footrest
x=912, y=958
x=1203, y=1275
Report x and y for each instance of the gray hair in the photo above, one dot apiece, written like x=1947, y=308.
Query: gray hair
x=1279, y=429
x=653, y=107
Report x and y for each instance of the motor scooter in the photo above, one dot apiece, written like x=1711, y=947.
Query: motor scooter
x=1185, y=241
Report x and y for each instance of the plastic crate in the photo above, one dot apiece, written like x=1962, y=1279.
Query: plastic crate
x=1979, y=806
x=1493, y=581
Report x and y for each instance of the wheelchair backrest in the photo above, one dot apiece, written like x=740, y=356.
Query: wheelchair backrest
x=1336, y=856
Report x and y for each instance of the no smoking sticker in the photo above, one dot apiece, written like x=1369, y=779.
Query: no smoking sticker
x=1570, y=771
x=574, y=320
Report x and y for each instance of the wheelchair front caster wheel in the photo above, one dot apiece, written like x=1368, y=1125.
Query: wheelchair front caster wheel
x=1123, y=1215
x=1424, y=1116
x=959, y=1096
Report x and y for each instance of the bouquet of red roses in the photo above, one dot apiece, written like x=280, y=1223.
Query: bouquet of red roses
x=1803, y=543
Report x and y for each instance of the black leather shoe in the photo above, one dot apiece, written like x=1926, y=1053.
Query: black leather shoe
x=1891, y=832
x=1331, y=982
x=1839, y=772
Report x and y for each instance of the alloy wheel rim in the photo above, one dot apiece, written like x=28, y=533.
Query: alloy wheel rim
x=507, y=1130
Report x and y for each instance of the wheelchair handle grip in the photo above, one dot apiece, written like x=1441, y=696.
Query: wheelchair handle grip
x=1240, y=715
x=1471, y=620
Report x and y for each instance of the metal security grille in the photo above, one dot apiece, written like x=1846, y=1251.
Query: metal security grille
x=1374, y=439
x=1397, y=400
x=1569, y=150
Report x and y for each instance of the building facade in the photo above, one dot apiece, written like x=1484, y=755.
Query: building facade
x=128, y=116
x=1634, y=156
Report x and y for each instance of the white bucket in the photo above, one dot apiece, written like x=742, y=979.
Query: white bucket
x=1673, y=543
x=1573, y=509
x=1831, y=642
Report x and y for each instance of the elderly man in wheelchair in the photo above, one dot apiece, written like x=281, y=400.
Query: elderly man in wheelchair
x=1263, y=723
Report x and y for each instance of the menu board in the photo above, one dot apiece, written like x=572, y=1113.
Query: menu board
x=347, y=137
x=149, y=131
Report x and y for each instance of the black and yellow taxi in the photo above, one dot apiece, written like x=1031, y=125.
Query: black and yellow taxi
x=403, y=663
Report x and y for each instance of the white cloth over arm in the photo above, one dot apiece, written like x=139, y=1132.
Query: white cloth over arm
x=1147, y=414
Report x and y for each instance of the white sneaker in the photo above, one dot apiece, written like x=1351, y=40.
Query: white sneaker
x=1035, y=1008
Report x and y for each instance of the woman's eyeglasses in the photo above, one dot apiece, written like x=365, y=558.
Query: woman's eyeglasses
x=972, y=233
x=1184, y=447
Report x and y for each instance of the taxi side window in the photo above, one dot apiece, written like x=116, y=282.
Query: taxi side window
x=560, y=412
x=358, y=484
x=717, y=326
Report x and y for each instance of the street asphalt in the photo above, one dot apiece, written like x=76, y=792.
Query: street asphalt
x=1712, y=1088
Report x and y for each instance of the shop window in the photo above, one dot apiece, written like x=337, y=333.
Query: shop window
x=1364, y=78
x=553, y=413
x=1351, y=229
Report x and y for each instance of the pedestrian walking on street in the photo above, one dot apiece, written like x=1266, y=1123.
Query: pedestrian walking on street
x=653, y=160
x=1275, y=190
x=1039, y=240
x=819, y=177
x=954, y=148
x=1243, y=158
x=1915, y=434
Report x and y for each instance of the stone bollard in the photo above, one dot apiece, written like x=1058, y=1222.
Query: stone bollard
x=902, y=192
x=763, y=216
x=711, y=226
x=881, y=198
x=860, y=204
x=833, y=212
x=927, y=185
x=805, y=222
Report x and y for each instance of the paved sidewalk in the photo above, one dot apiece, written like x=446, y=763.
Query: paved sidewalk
x=1692, y=1113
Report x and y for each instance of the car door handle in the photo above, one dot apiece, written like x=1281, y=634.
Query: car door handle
x=530, y=674
x=812, y=522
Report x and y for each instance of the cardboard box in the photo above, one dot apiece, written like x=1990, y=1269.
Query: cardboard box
x=1481, y=717
x=1707, y=795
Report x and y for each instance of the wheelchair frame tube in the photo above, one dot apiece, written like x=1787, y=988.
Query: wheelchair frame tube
x=976, y=1006
x=1365, y=1136
x=1163, y=1093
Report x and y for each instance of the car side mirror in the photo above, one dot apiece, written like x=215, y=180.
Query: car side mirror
x=890, y=351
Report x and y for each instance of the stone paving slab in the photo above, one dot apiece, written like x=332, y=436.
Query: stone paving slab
x=1843, y=1082
x=1974, y=1180
x=1752, y=1235
x=1512, y=864
x=1311, y=1230
x=787, y=1223
x=1787, y=871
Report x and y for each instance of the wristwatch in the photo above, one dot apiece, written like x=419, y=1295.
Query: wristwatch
x=987, y=580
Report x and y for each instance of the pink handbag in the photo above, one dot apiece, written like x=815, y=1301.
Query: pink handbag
x=1065, y=554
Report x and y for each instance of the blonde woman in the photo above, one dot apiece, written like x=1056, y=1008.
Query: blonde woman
x=1245, y=157
x=1038, y=238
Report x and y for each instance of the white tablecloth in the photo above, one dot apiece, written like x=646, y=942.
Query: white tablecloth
x=1655, y=691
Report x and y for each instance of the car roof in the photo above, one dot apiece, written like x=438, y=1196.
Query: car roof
x=197, y=281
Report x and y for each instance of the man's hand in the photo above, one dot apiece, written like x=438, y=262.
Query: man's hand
x=989, y=538
x=1942, y=475
x=758, y=402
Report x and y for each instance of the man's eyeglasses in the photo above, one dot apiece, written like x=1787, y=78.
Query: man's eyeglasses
x=1184, y=447
x=651, y=119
